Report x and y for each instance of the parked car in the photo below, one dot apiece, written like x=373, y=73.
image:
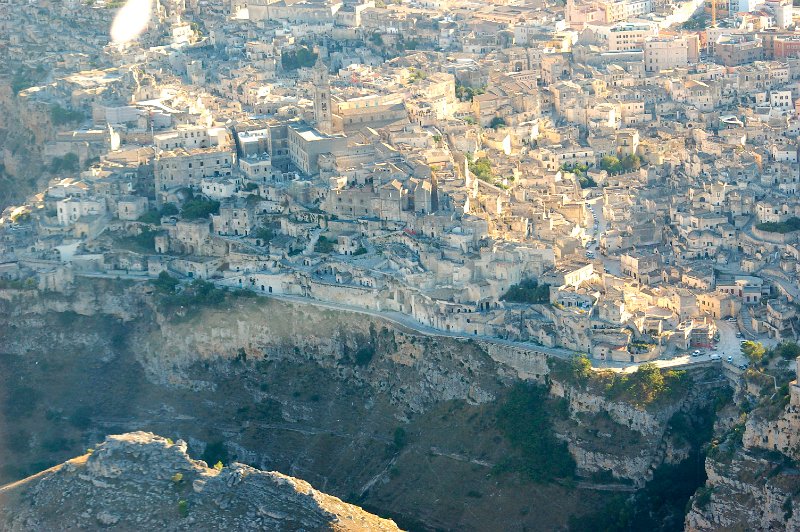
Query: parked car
x=696, y=353
x=739, y=335
x=730, y=359
x=715, y=356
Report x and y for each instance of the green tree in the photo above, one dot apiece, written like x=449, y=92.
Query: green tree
x=300, y=57
x=466, y=93
x=169, y=209
x=497, y=122
x=165, y=283
x=61, y=116
x=400, y=438
x=646, y=383
x=792, y=224
x=787, y=350
x=151, y=217
x=527, y=291
x=323, y=245
x=611, y=164
x=68, y=163
x=579, y=169
x=265, y=234
x=582, y=368
x=631, y=162
x=482, y=169
x=197, y=208
x=376, y=39
x=754, y=351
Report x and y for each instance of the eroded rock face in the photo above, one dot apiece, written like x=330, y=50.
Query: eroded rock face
x=782, y=434
x=755, y=486
x=745, y=493
x=140, y=481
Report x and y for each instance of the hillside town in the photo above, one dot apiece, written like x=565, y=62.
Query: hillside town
x=612, y=177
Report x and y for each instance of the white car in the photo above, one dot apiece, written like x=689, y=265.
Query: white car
x=715, y=356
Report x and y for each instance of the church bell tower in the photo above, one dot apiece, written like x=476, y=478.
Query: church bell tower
x=322, y=98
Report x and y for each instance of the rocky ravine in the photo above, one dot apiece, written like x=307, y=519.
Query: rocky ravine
x=753, y=476
x=402, y=425
x=140, y=481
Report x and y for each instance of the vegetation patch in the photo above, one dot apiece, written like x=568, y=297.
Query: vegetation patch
x=323, y=245
x=497, y=122
x=144, y=242
x=482, y=169
x=301, y=57
x=613, y=165
x=466, y=93
x=264, y=235
x=580, y=171
x=26, y=77
x=772, y=373
x=648, y=386
x=524, y=420
x=197, y=208
x=61, y=116
x=153, y=216
x=68, y=163
x=792, y=224
x=527, y=291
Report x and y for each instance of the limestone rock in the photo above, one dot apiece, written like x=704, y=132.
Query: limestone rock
x=140, y=481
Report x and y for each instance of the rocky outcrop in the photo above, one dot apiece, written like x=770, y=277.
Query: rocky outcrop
x=625, y=414
x=89, y=298
x=754, y=483
x=140, y=481
x=782, y=434
x=745, y=492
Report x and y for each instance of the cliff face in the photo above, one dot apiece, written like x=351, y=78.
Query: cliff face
x=753, y=480
x=24, y=129
x=140, y=481
x=412, y=374
x=400, y=424
x=747, y=491
x=782, y=434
